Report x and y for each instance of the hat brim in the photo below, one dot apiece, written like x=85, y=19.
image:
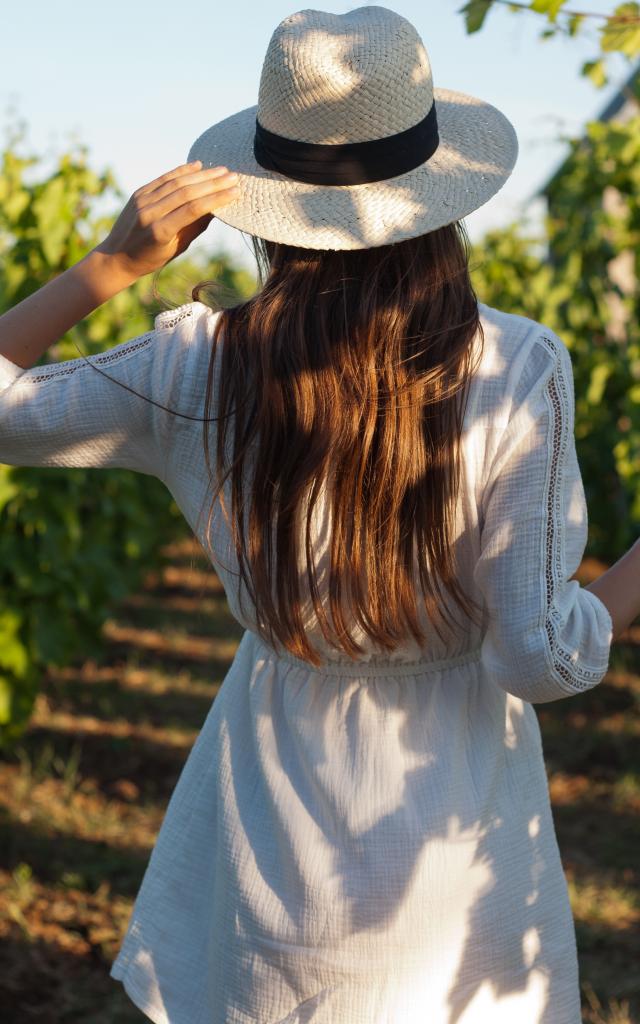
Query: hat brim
x=477, y=152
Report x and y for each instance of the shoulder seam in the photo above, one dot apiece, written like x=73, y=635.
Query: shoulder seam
x=44, y=372
x=169, y=318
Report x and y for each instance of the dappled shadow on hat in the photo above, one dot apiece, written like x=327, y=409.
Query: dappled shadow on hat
x=476, y=153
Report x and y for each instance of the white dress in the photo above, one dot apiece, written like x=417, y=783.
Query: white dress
x=371, y=843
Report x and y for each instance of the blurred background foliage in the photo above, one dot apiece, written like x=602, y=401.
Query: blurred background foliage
x=75, y=541
x=581, y=276
x=571, y=286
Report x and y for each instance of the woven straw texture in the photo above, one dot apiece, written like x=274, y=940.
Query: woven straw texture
x=340, y=78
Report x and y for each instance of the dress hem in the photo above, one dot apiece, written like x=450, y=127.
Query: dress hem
x=150, y=1009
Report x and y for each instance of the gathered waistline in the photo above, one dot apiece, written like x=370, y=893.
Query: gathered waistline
x=358, y=670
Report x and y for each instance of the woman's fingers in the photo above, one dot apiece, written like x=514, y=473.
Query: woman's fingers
x=175, y=212
x=161, y=219
x=177, y=172
x=169, y=183
x=197, y=198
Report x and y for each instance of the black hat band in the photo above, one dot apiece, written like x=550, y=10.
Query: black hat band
x=351, y=163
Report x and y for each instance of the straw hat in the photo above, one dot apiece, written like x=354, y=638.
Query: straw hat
x=350, y=146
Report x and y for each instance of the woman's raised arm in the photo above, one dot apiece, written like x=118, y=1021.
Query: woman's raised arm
x=158, y=223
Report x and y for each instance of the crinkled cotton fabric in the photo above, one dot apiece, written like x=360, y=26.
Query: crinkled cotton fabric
x=368, y=842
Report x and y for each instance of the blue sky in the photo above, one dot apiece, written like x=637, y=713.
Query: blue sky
x=137, y=82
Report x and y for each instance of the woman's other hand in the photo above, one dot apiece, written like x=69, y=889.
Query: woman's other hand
x=161, y=219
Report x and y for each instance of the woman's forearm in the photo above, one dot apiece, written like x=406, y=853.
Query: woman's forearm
x=619, y=590
x=30, y=328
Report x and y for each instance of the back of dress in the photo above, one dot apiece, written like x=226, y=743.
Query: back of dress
x=368, y=842
x=521, y=522
x=520, y=527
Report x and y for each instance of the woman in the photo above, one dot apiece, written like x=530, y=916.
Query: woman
x=362, y=833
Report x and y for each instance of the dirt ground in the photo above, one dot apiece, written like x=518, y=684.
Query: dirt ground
x=83, y=796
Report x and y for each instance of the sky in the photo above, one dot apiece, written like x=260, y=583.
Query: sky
x=138, y=82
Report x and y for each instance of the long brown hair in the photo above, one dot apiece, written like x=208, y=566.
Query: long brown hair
x=346, y=368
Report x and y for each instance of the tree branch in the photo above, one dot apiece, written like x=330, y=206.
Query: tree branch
x=579, y=14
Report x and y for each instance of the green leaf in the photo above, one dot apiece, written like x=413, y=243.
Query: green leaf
x=54, y=218
x=15, y=205
x=5, y=700
x=474, y=13
x=622, y=36
x=8, y=486
x=548, y=7
x=15, y=274
x=13, y=654
x=599, y=377
x=595, y=70
x=574, y=23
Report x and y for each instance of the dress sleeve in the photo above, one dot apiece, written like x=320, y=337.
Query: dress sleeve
x=76, y=414
x=547, y=637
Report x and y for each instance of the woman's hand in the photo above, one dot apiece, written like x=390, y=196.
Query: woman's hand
x=161, y=219
x=159, y=222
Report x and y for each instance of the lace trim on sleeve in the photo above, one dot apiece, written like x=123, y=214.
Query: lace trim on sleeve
x=50, y=371
x=172, y=317
x=565, y=661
